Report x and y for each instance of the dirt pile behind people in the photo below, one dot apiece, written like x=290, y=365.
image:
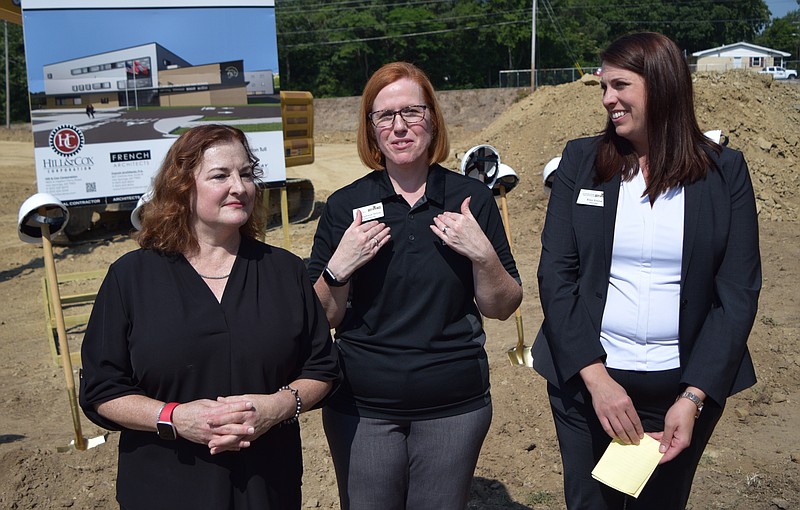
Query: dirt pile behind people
x=760, y=117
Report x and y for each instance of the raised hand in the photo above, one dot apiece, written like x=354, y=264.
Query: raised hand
x=461, y=232
x=360, y=243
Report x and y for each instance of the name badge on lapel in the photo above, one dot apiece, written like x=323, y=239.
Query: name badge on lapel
x=590, y=197
x=370, y=212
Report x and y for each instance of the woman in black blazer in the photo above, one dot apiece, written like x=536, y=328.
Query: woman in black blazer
x=649, y=280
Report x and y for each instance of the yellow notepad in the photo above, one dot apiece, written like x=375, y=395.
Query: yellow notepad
x=627, y=467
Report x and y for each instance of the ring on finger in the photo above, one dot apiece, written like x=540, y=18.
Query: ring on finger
x=444, y=230
x=374, y=240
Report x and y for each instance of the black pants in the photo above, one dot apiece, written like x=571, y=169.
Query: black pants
x=583, y=441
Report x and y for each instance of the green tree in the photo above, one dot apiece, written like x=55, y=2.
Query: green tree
x=783, y=34
x=331, y=47
x=18, y=80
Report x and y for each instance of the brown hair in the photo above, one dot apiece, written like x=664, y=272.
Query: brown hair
x=367, y=143
x=676, y=152
x=166, y=218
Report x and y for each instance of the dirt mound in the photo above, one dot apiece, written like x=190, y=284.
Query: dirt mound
x=759, y=116
x=466, y=111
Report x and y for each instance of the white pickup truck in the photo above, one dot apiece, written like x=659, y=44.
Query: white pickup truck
x=779, y=73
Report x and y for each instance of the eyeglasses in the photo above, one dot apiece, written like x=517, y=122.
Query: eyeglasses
x=411, y=115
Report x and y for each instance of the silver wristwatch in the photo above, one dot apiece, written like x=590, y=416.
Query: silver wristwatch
x=695, y=400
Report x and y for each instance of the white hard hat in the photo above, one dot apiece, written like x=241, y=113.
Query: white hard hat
x=30, y=221
x=715, y=135
x=506, y=177
x=549, y=172
x=135, y=219
x=481, y=162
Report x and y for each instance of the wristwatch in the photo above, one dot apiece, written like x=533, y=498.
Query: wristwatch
x=695, y=400
x=164, y=426
x=331, y=279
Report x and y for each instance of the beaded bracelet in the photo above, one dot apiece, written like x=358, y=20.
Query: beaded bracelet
x=298, y=407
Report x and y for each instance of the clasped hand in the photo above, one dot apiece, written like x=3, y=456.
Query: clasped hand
x=229, y=423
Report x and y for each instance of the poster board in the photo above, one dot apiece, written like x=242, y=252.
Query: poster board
x=114, y=82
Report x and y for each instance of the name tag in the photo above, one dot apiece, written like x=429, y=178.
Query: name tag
x=590, y=197
x=370, y=212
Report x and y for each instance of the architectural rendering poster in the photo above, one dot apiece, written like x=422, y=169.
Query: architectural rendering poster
x=113, y=83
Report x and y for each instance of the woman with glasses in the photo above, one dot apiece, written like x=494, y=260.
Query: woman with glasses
x=406, y=260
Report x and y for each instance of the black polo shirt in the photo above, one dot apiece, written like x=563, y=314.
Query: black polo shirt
x=411, y=341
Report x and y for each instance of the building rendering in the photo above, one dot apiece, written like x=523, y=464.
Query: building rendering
x=145, y=75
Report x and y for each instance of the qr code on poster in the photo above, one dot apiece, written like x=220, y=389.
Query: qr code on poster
x=91, y=187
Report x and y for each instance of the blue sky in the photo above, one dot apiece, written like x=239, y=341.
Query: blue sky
x=198, y=35
x=779, y=8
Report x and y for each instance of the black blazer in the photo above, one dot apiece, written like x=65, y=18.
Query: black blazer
x=720, y=273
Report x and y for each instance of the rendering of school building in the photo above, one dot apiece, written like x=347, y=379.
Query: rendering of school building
x=145, y=75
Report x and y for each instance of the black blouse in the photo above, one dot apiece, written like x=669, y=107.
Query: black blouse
x=157, y=330
x=411, y=341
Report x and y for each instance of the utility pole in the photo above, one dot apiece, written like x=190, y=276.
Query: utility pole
x=533, y=48
x=8, y=89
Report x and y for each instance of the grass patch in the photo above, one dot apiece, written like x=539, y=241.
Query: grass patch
x=768, y=321
x=190, y=107
x=539, y=498
x=247, y=128
x=220, y=118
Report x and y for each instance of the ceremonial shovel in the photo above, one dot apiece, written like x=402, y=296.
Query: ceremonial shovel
x=37, y=214
x=80, y=442
x=482, y=162
x=521, y=354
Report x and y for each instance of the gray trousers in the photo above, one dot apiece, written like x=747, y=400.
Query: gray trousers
x=405, y=464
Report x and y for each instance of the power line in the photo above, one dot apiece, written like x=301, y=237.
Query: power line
x=517, y=22
x=400, y=36
x=469, y=17
x=549, y=9
x=284, y=6
x=354, y=5
x=342, y=6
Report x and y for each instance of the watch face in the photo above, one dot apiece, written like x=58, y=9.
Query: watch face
x=331, y=280
x=166, y=431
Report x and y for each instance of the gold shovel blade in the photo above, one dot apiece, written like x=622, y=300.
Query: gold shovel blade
x=88, y=443
x=521, y=355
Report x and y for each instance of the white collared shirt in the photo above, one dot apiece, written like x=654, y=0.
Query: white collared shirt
x=640, y=321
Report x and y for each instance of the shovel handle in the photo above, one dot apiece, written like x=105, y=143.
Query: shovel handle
x=520, y=349
x=504, y=212
x=61, y=330
x=507, y=227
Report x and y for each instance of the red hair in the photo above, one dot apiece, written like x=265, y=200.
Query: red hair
x=368, y=149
